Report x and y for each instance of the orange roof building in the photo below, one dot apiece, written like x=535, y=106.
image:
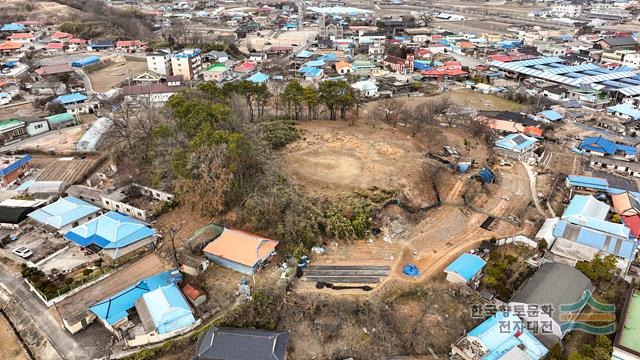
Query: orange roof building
x=21, y=36
x=240, y=251
x=61, y=35
x=10, y=46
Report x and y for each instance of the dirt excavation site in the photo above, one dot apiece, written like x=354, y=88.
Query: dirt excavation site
x=437, y=211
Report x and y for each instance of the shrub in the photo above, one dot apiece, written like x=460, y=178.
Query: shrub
x=279, y=132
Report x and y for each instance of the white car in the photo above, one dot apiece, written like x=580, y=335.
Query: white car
x=23, y=252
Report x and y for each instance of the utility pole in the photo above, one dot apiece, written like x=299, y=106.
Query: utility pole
x=172, y=234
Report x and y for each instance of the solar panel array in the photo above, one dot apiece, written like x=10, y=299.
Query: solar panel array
x=584, y=76
x=519, y=139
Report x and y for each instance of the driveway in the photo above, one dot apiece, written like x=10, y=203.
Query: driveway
x=90, y=343
x=532, y=186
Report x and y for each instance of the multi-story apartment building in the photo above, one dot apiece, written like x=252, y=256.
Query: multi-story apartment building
x=159, y=61
x=187, y=63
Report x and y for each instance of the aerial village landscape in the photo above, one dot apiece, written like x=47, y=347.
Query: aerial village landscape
x=339, y=179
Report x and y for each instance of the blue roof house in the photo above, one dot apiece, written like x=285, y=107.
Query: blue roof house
x=113, y=234
x=583, y=232
x=517, y=142
x=464, y=268
x=114, y=310
x=64, y=214
x=503, y=335
x=549, y=115
x=72, y=98
x=258, y=78
x=626, y=111
x=314, y=74
x=12, y=27
x=164, y=310
x=586, y=183
x=600, y=146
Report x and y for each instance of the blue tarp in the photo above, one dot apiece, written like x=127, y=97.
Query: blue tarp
x=486, y=175
x=411, y=270
x=304, y=54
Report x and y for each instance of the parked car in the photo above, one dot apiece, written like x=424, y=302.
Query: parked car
x=23, y=252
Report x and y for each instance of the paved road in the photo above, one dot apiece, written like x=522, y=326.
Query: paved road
x=88, y=344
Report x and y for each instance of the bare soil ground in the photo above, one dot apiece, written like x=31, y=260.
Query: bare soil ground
x=108, y=77
x=184, y=221
x=334, y=159
x=10, y=347
x=20, y=111
x=432, y=240
x=285, y=38
x=47, y=11
x=59, y=141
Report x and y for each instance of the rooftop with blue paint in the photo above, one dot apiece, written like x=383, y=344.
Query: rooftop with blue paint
x=503, y=332
x=12, y=27
x=314, y=63
x=110, y=231
x=12, y=163
x=70, y=98
x=516, y=142
x=114, y=308
x=466, y=265
x=620, y=246
x=258, y=77
x=63, y=212
x=588, y=182
x=625, y=109
x=606, y=146
x=304, y=54
x=168, y=309
x=551, y=115
x=313, y=72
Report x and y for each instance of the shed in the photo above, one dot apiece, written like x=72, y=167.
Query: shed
x=10, y=217
x=240, y=251
x=464, y=268
x=194, y=294
x=59, y=120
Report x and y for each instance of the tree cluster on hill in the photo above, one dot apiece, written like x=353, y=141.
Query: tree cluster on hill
x=102, y=20
x=215, y=147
